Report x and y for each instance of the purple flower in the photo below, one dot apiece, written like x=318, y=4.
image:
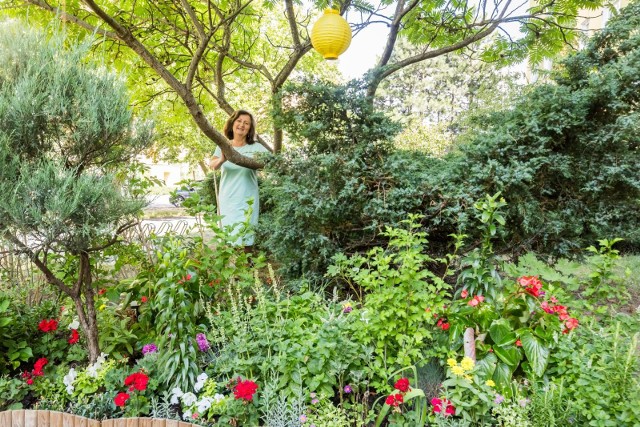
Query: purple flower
x=203, y=344
x=303, y=418
x=347, y=389
x=314, y=401
x=149, y=348
x=499, y=399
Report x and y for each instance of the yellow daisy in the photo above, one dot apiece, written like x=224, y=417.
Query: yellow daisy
x=452, y=362
x=467, y=363
x=490, y=383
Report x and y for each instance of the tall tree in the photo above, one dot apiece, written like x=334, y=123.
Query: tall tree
x=65, y=124
x=198, y=48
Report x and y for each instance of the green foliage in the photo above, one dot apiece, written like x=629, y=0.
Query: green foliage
x=601, y=364
x=307, y=341
x=401, y=294
x=13, y=391
x=340, y=186
x=564, y=156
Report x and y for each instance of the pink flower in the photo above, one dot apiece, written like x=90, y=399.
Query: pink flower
x=518, y=343
x=402, y=384
x=476, y=300
x=532, y=285
x=571, y=323
x=188, y=277
x=464, y=293
x=545, y=306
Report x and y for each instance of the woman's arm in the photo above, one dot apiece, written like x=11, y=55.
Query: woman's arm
x=216, y=162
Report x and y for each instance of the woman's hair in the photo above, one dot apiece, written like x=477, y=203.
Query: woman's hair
x=228, y=126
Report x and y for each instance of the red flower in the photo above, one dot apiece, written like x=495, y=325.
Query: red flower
x=188, y=277
x=38, y=366
x=394, y=399
x=571, y=323
x=245, y=390
x=464, y=293
x=143, y=299
x=75, y=337
x=30, y=381
x=137, y=381
x=443, y=324
x=48, y=325
x=102, y=291
x=120, y=399
x=518, y=343
x=545, y=306
x=438, y=404
x=402, y=384
x=532, y=285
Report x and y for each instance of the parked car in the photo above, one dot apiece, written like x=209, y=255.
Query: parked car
x=178, y=196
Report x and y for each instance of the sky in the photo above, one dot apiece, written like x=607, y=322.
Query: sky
x=365, y=49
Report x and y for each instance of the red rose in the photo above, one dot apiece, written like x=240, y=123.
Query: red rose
x=120, y=399
x=402, y=384
x=75, y=337
x=245, y=390
x=137, y=381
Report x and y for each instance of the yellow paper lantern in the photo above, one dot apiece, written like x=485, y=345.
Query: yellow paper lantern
x=331, y=34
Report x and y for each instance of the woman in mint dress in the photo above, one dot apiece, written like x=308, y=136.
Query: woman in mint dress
x=239, y=185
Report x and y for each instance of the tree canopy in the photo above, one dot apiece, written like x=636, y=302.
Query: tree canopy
x=199, y=49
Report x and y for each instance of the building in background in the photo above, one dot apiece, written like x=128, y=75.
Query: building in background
x=172, y=173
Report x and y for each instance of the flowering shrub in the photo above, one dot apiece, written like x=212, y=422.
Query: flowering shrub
x=518, y=323
x=245, y=390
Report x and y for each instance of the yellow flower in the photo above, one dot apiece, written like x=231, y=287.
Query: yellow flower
x=457, y=370
x=468, y=377
x=452, y=362
x=490, y=383
x=102, y=307
x=467, y=364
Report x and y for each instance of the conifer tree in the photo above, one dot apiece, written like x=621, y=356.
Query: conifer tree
x=65, y=127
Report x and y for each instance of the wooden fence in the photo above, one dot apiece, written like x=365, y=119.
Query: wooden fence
x=31, y=418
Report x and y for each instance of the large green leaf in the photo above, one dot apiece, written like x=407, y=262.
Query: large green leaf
x=509, y=355
x=537, y=353
x=486, y=366
x=502, y=378
x=502, y=333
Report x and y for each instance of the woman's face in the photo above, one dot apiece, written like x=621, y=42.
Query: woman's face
x=241, y=126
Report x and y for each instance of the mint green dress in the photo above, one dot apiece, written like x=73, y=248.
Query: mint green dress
x=238, y=193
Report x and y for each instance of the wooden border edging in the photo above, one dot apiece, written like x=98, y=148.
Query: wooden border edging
x=39, y=418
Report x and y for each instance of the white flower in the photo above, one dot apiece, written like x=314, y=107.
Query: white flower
x=176, y=393
x=74, y=325
x=217, y=398
x=92, y=370
x=204, y=404
x=202, y=378
x=69, y=379
x=189, y=399
x=187, y=415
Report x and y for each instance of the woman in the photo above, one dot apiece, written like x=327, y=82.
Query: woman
x=239, y=185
